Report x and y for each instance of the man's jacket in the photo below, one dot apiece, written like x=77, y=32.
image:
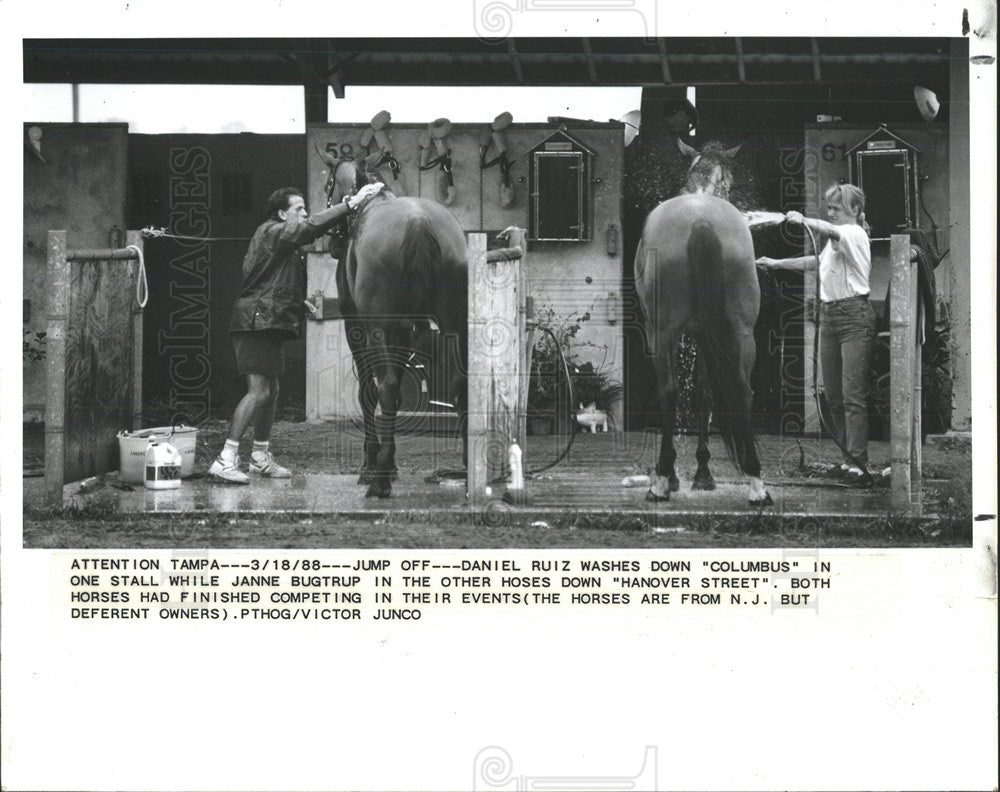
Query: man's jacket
x=274, y=273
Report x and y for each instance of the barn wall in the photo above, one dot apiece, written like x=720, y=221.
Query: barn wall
x=204, y=186
x=959, y=262
x=80, y=187
x=831, y=144
x=557, y=272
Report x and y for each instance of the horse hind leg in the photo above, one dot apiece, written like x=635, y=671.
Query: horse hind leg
x=750, y=463
x=703, y=479
x=367, y=396
x=390, y=370
x=665, y=480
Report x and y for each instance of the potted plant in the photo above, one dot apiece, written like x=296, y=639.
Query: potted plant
x=595, y=388
x=33, y=349
x=549, y=406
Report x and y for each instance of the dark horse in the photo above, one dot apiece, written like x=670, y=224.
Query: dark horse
x=695, y=273
x=405, y=265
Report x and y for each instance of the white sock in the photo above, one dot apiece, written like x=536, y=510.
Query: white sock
x=260, y=449
x=231, y=451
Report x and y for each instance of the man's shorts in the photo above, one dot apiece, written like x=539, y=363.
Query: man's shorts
x=260, y=352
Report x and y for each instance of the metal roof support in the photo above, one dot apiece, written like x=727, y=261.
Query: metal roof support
x=817, y=76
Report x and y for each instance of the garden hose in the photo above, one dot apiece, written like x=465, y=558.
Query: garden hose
x=569, y=394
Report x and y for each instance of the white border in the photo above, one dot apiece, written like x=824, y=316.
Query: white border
x=894, y=688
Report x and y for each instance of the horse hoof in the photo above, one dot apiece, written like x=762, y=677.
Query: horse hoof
x=654, y=498
x=376, y=491
x=765, y=501
x=673, y=483
x=703, y=483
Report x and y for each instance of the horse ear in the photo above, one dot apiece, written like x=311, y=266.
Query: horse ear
x=732, y=152
x=686, y=150
x=328, y=158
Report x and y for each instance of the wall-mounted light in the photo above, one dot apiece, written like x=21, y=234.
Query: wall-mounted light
x=34, y=135
x=612, y=239
x=927, y=102
x=631, y=120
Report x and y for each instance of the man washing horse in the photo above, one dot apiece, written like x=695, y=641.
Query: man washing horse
x=270, y=311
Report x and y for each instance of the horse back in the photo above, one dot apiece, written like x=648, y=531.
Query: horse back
x=668, y=226
x=409, y=258
x=663, y=271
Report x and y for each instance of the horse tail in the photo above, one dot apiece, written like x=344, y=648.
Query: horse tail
x=421, y=261
x=718, y=342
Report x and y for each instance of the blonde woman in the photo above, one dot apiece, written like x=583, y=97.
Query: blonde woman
x=847, y=320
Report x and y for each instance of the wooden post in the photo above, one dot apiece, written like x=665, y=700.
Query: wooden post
x=57, y=277
x=476, y=477
x=136, y=275
x=496, y=332
x=518, y=241
x=59, y=280
x=904, y=407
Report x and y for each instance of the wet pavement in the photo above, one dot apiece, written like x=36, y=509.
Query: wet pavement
x=551, y=496
x=589, y=481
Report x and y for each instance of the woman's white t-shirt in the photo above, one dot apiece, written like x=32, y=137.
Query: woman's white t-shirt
x=845, y=265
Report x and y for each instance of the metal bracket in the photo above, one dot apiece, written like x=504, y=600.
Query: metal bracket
x=320, y=308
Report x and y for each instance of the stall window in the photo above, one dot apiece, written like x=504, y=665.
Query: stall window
x=560, y=196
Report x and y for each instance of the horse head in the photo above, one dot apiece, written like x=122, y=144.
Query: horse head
x=344, y=178
x=710, y=170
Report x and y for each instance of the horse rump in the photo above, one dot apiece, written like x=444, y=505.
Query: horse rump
x=421, y=254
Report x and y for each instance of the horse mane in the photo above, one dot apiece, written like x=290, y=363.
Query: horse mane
x=714, y=147
x=713, y=154
x=360, y=174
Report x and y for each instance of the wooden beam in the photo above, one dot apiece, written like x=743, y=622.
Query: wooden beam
x=314, y=87
x=664, y=63
x=135, y=238
x=740, y=65
x=337, y=83
x=496, y=333
x=58, y=282
x=335, y=69
x=591, y=68
x=903, y=372
x=515, y=61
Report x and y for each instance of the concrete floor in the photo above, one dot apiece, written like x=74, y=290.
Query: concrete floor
x=552, y=495
x=587, y=481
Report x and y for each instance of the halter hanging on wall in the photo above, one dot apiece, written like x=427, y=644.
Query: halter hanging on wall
x=494, y=137
x=434, y=137
x=377, y=132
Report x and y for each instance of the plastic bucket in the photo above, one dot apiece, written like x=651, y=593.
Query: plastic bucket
x=185, y=440
x=132, y=450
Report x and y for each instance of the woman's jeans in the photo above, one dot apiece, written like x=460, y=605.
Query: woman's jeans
x=846, y=344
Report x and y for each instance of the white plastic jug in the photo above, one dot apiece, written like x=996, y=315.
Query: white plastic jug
x=516, y=481
x=163, y=466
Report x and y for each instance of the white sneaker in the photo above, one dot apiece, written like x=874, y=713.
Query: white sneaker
x=228, y=472
x=264, y=465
